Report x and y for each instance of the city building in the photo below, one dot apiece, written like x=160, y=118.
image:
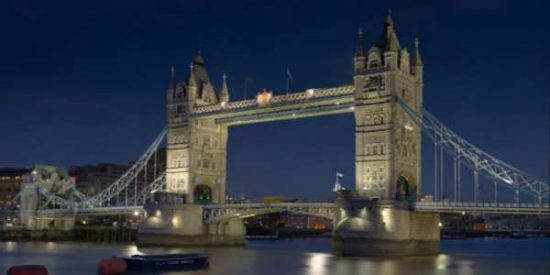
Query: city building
x=10, y=183
x=91, y=179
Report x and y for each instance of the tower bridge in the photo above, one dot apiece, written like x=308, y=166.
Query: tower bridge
x=382, y=216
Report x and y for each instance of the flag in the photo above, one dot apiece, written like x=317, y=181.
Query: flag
x=289, y=74
x=340, y=175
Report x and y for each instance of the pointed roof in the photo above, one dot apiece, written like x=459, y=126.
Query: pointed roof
x=388, y=39
x=192, y=80
x=173, y=81
x=416, y=59
x=200, y=69
x=224, y=93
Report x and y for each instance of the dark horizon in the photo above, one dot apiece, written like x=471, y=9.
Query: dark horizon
x=85, y=82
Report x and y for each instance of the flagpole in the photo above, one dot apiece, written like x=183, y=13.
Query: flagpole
x=287, y=84
x=287, y=81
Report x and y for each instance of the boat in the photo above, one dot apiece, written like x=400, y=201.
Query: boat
x=189, y=261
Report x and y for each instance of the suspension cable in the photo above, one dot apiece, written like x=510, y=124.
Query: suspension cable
x=436, y=183
x=441, y=178
x=474, y=157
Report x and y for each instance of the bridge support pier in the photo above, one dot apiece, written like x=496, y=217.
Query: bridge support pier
x=364, y=227
x=182, y=225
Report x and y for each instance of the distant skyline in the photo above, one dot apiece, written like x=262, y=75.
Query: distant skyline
x=84, y=82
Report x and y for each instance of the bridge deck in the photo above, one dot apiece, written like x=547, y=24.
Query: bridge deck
x=221, y=211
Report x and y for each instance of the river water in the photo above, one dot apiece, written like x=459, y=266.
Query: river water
x=299, y=256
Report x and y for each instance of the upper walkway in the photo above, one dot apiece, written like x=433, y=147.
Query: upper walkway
x=308, y=103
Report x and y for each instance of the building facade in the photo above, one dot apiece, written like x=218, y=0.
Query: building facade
x=92, y=179
x=388, y=145
x=196, y=148
x=10, y=183
x=387, y=154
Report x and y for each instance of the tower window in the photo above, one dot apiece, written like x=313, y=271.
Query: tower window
x=374, y=64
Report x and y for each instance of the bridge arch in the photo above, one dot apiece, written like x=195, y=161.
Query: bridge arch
x=406, y=188
x=221, y=213
x=202, y=194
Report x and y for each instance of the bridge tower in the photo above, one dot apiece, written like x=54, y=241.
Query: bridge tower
x=387, y=155
x=376, y=220
x=196, y=148
x=196, y=161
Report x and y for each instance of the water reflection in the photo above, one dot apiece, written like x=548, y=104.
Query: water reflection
x=132, y=250
x=317, y=263
x=50, y=246
x=307, y=257
x=10, y=246
x=441, y=261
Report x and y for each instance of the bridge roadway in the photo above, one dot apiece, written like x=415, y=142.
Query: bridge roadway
x=217, y=212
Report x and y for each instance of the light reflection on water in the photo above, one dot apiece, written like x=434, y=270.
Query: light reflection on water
x=317, y=263
x=307, y=257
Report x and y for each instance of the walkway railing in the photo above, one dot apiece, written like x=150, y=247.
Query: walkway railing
x=220, y=212
x=483, y=207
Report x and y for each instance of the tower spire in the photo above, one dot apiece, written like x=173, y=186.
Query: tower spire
x=224, y=93
x=192, y=82
x=417, y=68
x=388, y=41
x=359, y=49
x=417, y=60
x=173, y=81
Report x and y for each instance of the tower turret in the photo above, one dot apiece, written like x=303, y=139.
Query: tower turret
x=172, y=83
x=205, y=94
x=191, y=85
x=389, y=44
x=359, y=57
x=404, y=61
x=417, y=67
x=224, y=93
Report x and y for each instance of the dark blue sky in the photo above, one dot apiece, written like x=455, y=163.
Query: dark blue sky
x=83, y=81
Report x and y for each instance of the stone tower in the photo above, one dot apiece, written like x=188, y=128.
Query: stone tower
x=196, y=147
x=387, y=151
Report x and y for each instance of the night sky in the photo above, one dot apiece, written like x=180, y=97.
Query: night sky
x=83, y=82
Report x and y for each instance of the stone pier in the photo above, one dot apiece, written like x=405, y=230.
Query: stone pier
x=366, y=227
x=182, y=225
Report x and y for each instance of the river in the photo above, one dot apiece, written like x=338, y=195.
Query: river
x=299, y=256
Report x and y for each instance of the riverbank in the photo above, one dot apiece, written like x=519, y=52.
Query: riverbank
x=90, y=234
x=129, y=235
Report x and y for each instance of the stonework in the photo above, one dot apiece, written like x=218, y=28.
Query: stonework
x=387, y=145
x=377, y=219
x=196, y=147
x=365, y=227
